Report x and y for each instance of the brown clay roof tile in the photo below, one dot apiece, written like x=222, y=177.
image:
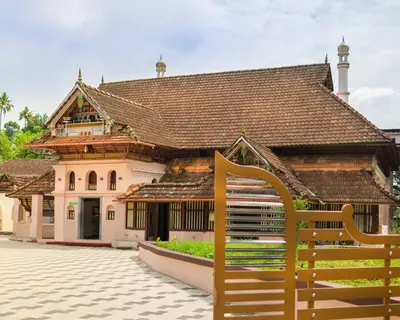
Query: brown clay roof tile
x=41, y=185
x=286, y=106
x=346, y=187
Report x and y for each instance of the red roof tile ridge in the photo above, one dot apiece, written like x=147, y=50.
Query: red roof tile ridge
x=115, y=96
x=358, y=114
x=225, y=72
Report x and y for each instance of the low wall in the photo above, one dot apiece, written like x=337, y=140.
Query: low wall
x=199, y=272
x=194, y=271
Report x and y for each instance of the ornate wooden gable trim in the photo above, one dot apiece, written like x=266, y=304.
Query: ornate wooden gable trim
x=239, y=151
x=76, y=91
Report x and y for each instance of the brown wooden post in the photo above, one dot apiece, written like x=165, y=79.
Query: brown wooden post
x=386, y=300
x=206, y=215
x=311, y=265
x=134, y=214
x=183, y=216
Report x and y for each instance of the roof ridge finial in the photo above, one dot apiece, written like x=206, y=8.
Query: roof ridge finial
x=160, y=56
x=342, y=39
x=326, y=58
x=243, y=130
x=80, y=75
x=102, y=79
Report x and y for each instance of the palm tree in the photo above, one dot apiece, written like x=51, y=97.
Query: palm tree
x=25, y=115
x=5, y=105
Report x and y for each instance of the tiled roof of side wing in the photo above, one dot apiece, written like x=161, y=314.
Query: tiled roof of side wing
x=26, y=167
x=278, y=107
x=347, y=187
x=42, y=185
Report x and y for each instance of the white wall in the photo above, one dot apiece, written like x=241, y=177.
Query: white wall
x=128, y=172
x=6, y=207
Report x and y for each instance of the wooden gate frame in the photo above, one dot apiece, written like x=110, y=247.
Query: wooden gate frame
x=311, y=235
x=222, y=167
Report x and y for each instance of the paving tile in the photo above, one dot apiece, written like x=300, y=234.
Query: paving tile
x=67, y=283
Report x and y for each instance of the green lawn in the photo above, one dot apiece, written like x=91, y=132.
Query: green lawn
x=206, y=250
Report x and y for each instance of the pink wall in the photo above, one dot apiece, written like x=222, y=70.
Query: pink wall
x=128, y=172
x=198, y=276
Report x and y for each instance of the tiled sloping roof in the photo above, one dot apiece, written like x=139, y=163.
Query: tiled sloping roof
x=286, y=106
x=42, y=185
x=328, y=162
x=346, y=187
x=22, y=171
x=184, y=178
x=200, y=190
x=283, y=172
x=146, y=122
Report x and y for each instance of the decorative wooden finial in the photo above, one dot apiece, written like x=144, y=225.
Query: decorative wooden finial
x=102, y=79
x=243, y=130
x=326, y=59
x=80, y=75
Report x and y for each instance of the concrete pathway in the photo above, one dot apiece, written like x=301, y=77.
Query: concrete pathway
x=58, y=282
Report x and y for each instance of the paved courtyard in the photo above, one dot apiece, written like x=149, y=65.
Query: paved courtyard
x=58, y=282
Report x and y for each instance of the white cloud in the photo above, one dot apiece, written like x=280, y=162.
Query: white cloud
x=368, y=93
x=47, y=40
x=68, y=15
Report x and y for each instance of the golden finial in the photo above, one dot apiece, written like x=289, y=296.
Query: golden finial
x=102, y=79
x=243, y=130
x=80, y=75
x=326, y=59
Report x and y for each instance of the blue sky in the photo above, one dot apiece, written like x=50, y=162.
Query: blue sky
x=44, y=42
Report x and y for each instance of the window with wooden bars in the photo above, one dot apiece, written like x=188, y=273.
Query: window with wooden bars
x=194, y=215
x=92, y=181
x=136, y=215
x=175, y=215
x=365, y=216
x=71, y=181
x=211, y=216
x=113, y=180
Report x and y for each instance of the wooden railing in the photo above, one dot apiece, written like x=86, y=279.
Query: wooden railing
x=255, y=254
x=382, y=250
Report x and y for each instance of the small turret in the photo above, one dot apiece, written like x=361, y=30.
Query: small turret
x=161, y=68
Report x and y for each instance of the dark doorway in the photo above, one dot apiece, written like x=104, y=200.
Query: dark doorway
x=90, y=218
x=158, y=221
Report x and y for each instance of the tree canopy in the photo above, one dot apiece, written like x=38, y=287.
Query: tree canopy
x=5, y=106
x=13, y=138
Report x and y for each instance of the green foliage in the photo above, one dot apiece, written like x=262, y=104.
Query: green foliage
x=21, y=139
x=26, y=115
x=301, y=204
x=13, y=139
x=36, y=120
x=11, y=128
x=6, y=150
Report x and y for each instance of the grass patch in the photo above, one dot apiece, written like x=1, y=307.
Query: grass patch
x=206, y=250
